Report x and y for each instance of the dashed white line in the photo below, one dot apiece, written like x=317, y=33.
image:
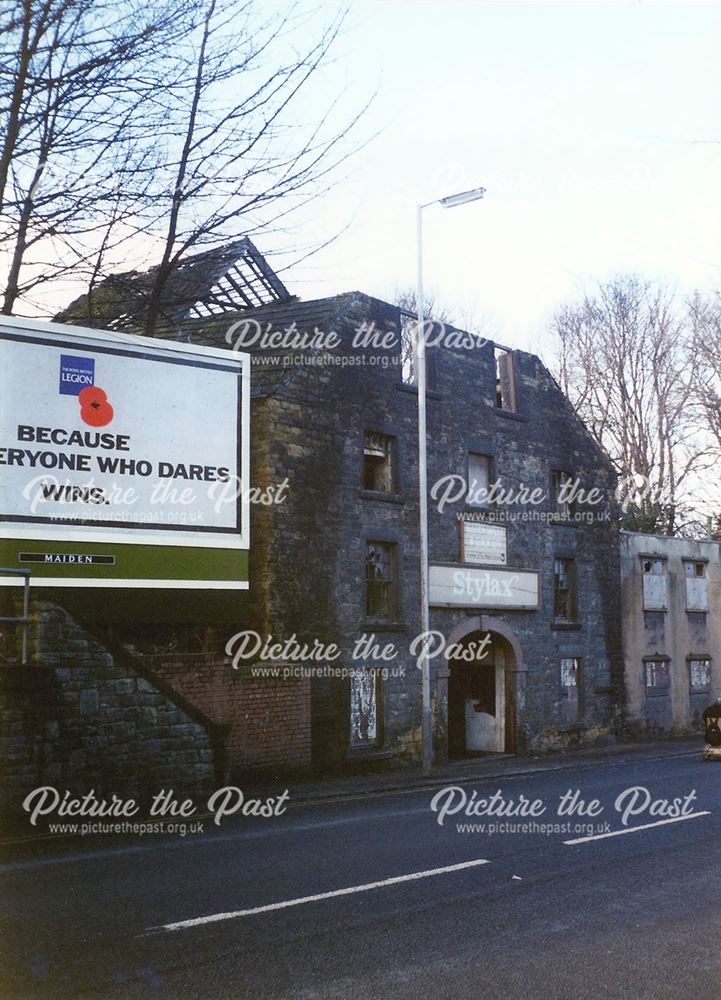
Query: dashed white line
x=284, y=904
x=635, y=829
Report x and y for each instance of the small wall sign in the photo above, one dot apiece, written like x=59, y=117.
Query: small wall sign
x=484, y=543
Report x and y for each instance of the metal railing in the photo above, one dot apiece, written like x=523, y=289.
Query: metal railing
x=24, y=619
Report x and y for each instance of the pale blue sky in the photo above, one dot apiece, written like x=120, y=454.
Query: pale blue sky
x=594, y=126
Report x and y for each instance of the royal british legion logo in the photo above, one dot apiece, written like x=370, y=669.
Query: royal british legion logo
x=75, y=374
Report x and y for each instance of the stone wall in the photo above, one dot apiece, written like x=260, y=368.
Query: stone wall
x=78, y=718
x=307, y=557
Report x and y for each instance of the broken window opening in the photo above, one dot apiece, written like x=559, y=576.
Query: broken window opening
x=505, y=380
x=381, y=580
x=378, y=472
x=570, y=690
x=657, y=677
x=564, y=579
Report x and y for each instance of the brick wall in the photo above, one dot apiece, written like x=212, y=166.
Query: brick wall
x=267, y=719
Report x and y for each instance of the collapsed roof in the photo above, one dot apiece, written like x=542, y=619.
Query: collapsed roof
x=223, y=280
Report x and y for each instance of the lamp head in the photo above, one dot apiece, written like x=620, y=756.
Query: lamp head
x=464, y=196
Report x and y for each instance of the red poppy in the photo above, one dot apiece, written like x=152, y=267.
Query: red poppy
x=95, y=409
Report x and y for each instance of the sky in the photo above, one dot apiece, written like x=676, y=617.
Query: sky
x=594, y=128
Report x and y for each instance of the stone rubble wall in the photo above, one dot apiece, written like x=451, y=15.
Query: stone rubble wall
x=78, y=718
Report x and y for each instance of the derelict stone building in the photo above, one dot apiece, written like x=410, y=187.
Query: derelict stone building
x=524, y=588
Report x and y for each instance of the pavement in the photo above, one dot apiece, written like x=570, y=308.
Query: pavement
x=488, y=766
x=330, y=789
x=610, y=891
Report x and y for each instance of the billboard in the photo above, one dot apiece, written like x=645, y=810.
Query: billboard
x=123, y=459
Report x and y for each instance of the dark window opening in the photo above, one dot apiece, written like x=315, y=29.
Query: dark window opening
x=570, y=690
x=560, y=491
x=381, y=581
x=657, y=677
x=505, y=380
x=378, y=472
x=564, y=582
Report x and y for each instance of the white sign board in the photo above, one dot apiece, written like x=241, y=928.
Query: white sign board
x=113, y=438
x=483, y=543
x=465, y=587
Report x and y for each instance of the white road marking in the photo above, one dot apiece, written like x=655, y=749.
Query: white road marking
x=635, y=829
x=214, y=917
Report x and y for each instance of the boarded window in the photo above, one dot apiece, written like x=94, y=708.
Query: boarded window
x=654, y=585
x=378, y=471
x=564, y=590
x=365, y=701
x=505, y=380
x=699, y=676
x=408, y=349
x=479, y=479
x=657, y=677
x=696, y=586
x=570, y=690
x=381, y=580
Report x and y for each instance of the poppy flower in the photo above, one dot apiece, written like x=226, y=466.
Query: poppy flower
x=95, y=410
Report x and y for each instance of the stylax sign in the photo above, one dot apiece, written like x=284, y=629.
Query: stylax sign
x=100, y=434
x=466, y=587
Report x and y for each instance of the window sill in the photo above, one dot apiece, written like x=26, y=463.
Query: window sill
x=379, y=495
x=564, y=626
x=511, y=415
x=572, y=727
x=658, y=694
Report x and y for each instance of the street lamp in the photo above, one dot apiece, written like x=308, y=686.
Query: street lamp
x=427, y=718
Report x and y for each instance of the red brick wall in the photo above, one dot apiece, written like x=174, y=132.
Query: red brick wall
x=269, y=718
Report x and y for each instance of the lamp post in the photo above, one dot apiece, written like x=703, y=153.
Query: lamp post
x=427, y=719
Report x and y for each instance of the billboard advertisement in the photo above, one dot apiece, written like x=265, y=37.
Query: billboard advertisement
x=123, y=459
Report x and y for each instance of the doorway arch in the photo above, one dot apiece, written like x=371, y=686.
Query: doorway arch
x=478, y=689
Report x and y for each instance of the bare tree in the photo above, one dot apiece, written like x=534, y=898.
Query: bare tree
x=244, y=159
x=153, y=131
x=77, y=104
x=705, y=317
x=624, y=360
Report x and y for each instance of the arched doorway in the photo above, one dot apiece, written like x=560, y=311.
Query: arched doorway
x=480, y=688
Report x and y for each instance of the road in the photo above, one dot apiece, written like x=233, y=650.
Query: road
x=508, y=914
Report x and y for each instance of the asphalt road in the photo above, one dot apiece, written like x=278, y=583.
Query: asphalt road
x=628, y=916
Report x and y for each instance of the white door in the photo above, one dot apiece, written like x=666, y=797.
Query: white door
x=486, y=732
